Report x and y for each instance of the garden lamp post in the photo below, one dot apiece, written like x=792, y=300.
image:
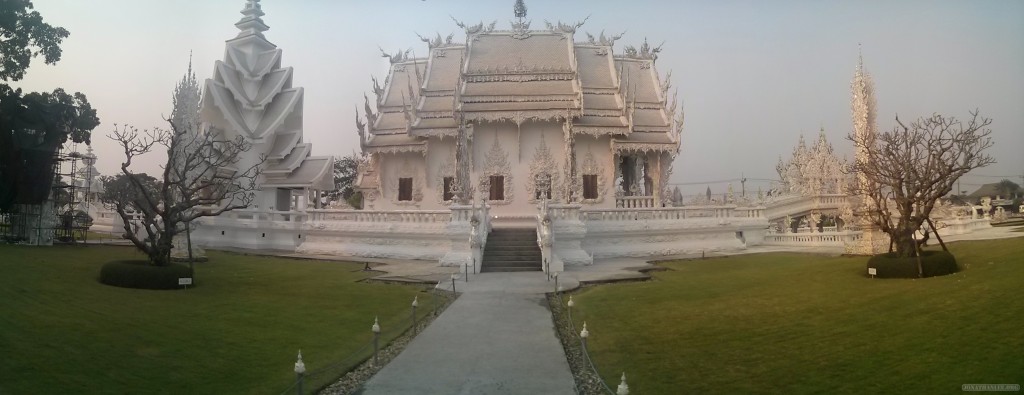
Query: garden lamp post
x=376, y=337
x=300, y=369
x=584, y=334
x=623, y=387
x=415, y=303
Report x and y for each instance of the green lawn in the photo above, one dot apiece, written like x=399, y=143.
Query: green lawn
x=61, y=331
x=793, y=323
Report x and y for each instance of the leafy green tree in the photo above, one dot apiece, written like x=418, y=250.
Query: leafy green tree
x=25, y=36
x=35, y=125
x=1008, y=189
x=346, y=170
x=120, y=190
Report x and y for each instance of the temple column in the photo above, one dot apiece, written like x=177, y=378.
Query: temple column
x=656, y=181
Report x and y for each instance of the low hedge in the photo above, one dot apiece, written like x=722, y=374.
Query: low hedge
x=933, y=263
x=142, y=275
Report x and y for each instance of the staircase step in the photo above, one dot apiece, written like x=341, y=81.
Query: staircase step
x=509, y=269
x=513, y=263
x=495, y=254
x=511, y=250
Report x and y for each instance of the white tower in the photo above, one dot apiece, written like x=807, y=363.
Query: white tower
x=863, y=110
x=252, y=96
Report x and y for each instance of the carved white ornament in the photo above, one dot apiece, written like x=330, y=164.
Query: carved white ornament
x=543, y=164
x=813, y=171
x=447, y=169
x=496, y=164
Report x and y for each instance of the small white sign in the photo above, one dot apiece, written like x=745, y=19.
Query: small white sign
x=871, y=271
x=185, y=281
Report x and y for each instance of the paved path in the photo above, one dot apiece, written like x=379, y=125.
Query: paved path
x=496, y=338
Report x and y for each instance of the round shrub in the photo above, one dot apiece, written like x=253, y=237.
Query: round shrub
x=933, y=263
x=142, y=275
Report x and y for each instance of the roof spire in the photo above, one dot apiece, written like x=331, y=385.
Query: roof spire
x=520, y=10
x=251, y=24
x=860, y=57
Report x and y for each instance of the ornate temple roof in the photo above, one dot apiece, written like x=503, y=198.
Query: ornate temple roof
x=251, y=95
x=520, y=75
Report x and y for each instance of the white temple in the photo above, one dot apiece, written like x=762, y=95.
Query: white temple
x=538, y=114
x=485, y=136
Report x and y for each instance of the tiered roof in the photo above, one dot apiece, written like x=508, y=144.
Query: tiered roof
x=520, y=75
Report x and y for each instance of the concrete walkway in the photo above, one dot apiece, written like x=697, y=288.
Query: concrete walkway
x=496, y=338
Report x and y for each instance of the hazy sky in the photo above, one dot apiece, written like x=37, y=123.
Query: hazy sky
x=754, y=75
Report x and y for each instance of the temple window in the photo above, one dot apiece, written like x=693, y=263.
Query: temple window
x=405, y=189
x=590, y=186
x=497, y=191
x=447, y=194
x=543, y=186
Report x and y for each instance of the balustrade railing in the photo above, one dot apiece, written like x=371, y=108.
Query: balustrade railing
x=261, y=215
x=635, y=202
x=812, y=238
x=564, y=212
x=402, y=216
x=671, y=213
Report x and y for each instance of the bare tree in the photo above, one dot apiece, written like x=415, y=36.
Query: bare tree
x=199, y=179
x=904, y=172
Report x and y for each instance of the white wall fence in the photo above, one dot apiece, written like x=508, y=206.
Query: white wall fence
x=433, y=235
x=667, y=231
x=817, y=239
x=799, y=205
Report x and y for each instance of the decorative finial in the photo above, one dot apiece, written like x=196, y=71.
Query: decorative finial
x=520, y=9
x=251, y=24
x=860, y=58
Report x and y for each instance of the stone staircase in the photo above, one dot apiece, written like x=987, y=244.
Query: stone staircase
x=511, y=250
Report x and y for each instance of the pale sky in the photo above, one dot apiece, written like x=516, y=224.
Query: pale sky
x=754, y=75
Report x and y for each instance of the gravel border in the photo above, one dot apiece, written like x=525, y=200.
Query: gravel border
x=352, y=382
x=587, y=381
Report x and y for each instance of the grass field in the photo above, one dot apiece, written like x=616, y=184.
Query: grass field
x=238, y=331
x=793, y=323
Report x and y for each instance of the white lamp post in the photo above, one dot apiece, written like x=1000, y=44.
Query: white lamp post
x=300, y=369
x=623, y=387
x=376, y=336
x=415, y=303
x=584, y=334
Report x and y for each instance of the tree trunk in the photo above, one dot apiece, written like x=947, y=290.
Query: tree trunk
x=904, y=243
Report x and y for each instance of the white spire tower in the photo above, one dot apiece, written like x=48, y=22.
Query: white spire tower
x=862, y=107
x=251, y=95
